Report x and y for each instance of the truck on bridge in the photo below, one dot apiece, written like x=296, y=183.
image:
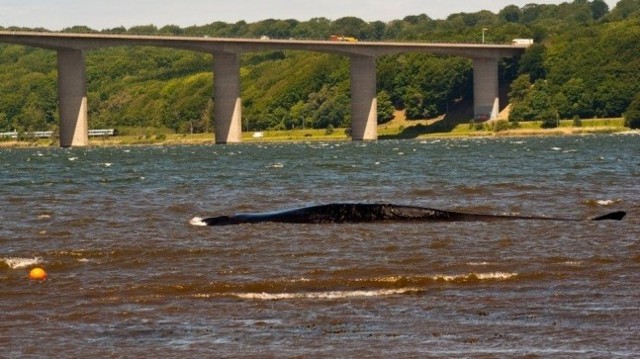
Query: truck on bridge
x=342, y=38
x=522, y=42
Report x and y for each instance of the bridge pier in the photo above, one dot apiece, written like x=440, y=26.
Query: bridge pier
x=72, y=98
x=228, y=104
x=364, y=104
x=486, y=99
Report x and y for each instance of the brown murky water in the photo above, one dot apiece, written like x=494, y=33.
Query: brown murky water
x=129, y=277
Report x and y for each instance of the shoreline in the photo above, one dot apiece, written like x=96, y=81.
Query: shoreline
x=607, y=126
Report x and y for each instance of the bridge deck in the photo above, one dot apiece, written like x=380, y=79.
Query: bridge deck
x=241, y=45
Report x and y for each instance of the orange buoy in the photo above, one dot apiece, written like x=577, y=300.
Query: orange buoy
x=38, y=274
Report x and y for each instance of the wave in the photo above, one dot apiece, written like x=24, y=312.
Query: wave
x=304, y=288
x=601, y=202
x=327, y=295
x=16, y=262
x=475, y=277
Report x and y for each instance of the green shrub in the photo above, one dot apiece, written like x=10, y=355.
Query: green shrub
x=577, y=122
x=501, y=125
x=476, y=125
x=632, y=115
x=330, y=129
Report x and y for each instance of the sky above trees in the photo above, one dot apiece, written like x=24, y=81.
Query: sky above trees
x=99, y=14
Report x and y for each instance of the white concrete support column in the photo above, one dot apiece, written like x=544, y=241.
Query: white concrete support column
x=486, y=99
x=72, y=98
x=227, y=102
x=364, y=104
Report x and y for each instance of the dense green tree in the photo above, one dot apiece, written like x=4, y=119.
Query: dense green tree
x=115, y=30
x=171, y=30
x=530, y=13
x=521, y=112
x=143, y=30
x=535, y=104
x=79, y=30
x=532, y=62
x=632, y=114
x=577, y=99
x=316, y=28
x=520, y=89
x=624, y=9
x=377, y=30
x=549, y=118
x=415, y=103
x=599, y=9
x=335, y=110
x=385, y=107
x=510, y=13
x=350, y=26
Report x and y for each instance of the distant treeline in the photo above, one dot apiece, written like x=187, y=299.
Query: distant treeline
x=585, y=63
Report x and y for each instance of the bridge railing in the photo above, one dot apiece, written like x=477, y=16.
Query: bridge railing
x=12, y=134
x=47, y=134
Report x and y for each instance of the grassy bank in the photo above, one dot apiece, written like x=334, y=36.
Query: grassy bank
x=396, y=129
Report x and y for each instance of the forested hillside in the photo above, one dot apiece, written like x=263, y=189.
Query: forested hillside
x=585, y=63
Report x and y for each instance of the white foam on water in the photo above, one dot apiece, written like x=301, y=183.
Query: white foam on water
x=605, y=202
x=481, y=276
x=390, y=279
x=16, y=262
x=496, y=275
x=302, y=279
x=361, y=293
x=327, y=295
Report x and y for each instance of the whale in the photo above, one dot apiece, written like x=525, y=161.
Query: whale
x=374, y=212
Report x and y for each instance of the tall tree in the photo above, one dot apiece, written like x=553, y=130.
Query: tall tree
x=632, y=114
x=599, y=9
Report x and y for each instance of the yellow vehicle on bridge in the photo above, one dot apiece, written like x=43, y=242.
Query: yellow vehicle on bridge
x=342, y=38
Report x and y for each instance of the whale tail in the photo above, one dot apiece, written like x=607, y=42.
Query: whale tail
x=613, y=216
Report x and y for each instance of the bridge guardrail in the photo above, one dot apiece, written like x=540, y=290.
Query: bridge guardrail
x=47, y=134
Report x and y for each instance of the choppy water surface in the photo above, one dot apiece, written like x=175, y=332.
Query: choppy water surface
x=128, y=275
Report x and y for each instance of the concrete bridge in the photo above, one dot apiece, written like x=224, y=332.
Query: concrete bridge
x=72, y=82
